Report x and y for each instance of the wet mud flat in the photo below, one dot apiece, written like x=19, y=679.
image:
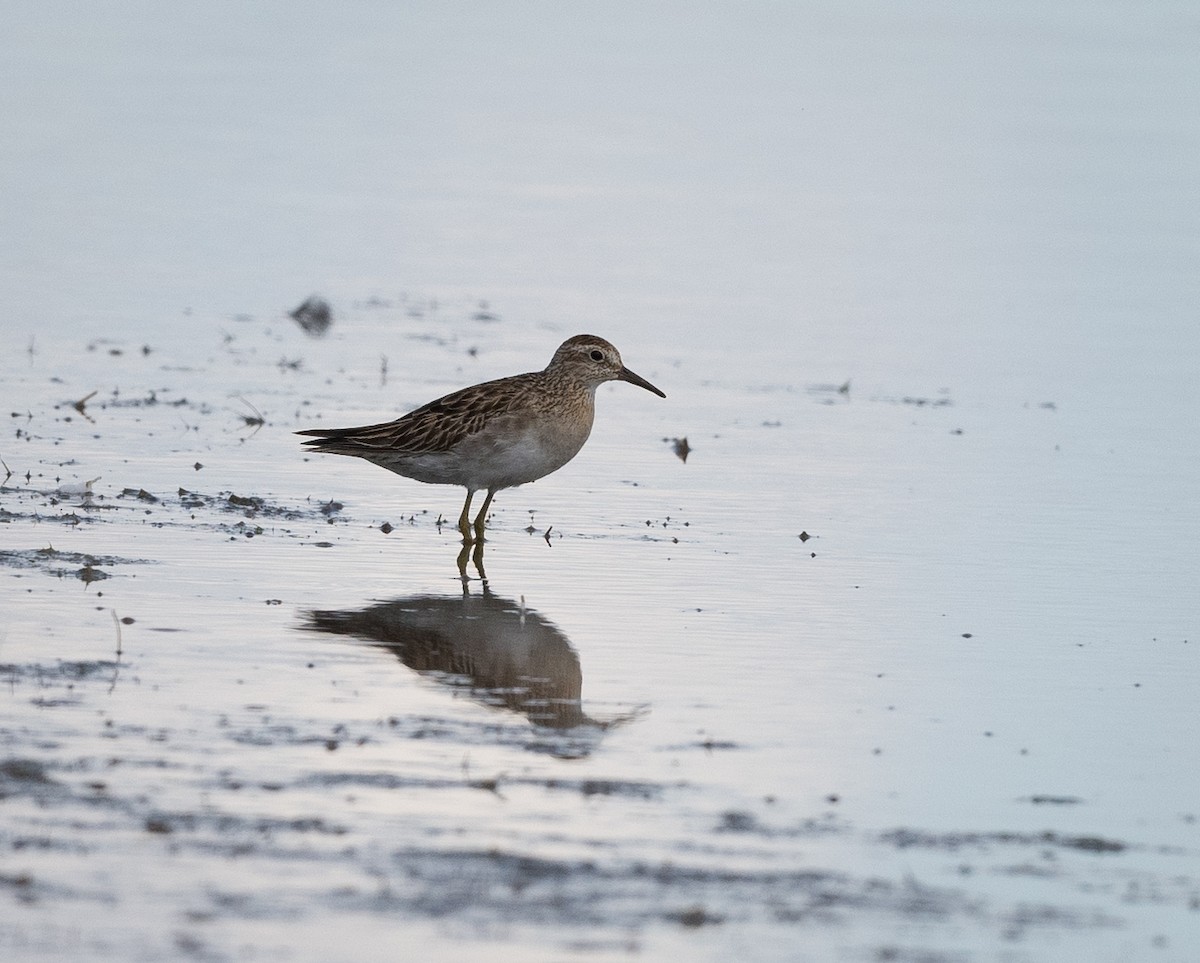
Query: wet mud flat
x=249, y=715
x=188, y=837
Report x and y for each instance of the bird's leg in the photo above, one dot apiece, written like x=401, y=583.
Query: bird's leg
x=487, y=503
x=471, y=551
x=477, y=558
x=464, y=520
x=464, y=554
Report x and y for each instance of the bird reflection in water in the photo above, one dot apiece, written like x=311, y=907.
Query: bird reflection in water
x=503, y=654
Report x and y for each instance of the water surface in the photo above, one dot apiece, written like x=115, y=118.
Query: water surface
x=898, y=664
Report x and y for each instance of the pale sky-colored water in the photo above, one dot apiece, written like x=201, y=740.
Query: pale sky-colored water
x=986, y=222
x=920, y=172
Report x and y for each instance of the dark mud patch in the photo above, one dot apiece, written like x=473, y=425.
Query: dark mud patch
x=907, y=838
x=23, y=777
x=182, y=508
x=48, y=785
x=165, y=823
x=485, y=885
x=742, y=822
x=630, y=789
x=57, y=684
x=68, y=519
x=185, y=508
x=919, y=401
x=575, y=743
x=85, y=567
x=64, y=671
x=249, y=506
x=87, y=404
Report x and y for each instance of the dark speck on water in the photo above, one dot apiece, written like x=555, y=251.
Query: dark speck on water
x=680, y=446
x=314, y=315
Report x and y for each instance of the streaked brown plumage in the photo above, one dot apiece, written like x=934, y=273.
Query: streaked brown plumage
x=494, y=435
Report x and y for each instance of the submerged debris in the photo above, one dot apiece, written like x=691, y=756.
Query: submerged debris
x=254, y=421
x=61, y=564
x=251, y=503
x=81, y=404
x=314, y=315
x=485, y=313
x=829, y=393
x=680, y=446
x=694, y=917
x=952, y=841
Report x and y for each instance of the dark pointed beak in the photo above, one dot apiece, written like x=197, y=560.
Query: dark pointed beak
x=636, y=379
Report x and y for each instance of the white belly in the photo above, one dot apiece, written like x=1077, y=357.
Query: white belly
x=507, y=453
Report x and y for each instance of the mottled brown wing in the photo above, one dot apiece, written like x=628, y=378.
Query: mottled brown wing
x=435, y=427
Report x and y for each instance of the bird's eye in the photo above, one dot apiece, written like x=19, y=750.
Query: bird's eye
x=597, y=355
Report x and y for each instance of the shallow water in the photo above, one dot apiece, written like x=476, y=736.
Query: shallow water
x=898, y=664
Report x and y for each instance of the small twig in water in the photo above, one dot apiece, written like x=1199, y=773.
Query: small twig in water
x=257, y=420
x=81, y=404
x=117, y=662
x=254, y=421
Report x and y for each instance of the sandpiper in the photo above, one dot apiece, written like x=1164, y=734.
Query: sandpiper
x=494, y=435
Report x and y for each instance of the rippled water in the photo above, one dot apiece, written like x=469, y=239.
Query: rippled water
x=899, y=662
